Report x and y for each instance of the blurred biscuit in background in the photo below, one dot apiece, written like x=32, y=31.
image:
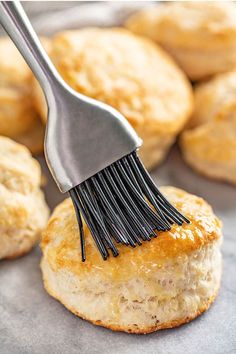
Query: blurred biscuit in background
x=131, y=74
x=209, y=142
x=162, y=284
x=18, y=117
x=201, y=36
x=23, y=210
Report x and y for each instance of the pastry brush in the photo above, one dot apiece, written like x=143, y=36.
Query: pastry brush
x=91, y=151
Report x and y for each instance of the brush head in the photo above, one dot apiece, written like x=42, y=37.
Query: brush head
x=91, y=152
x=122, y=204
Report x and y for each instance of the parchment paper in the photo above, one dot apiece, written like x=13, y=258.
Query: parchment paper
x=33, y=322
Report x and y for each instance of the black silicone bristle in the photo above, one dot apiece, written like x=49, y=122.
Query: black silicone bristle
x=121, y=204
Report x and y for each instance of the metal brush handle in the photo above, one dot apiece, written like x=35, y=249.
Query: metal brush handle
x=83, y=136
x=17, y=25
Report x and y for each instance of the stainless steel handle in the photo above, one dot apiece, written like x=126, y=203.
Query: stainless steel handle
x=16, y=23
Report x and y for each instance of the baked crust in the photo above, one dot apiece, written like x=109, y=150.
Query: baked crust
x=133, y=330
x=64, y=252
x=162, y=284
x=208, y=143
x=201, y=36
x=23, y=211
x=18, y=117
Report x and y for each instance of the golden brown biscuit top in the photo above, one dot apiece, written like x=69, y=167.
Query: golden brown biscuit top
x=19, y=172
x=61, y=245
x=188, y=23
x=126, y=71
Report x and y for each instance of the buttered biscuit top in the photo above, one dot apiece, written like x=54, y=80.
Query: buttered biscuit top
x=61, y=241
x=163, y=283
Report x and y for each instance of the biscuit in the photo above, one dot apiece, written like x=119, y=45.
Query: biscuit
x=18, y=118
x=201, y=36
x=23, y=211
x=208, y=143
x=131, y=74
x=162, y=284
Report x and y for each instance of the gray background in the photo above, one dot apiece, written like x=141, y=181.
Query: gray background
x=33, y=322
